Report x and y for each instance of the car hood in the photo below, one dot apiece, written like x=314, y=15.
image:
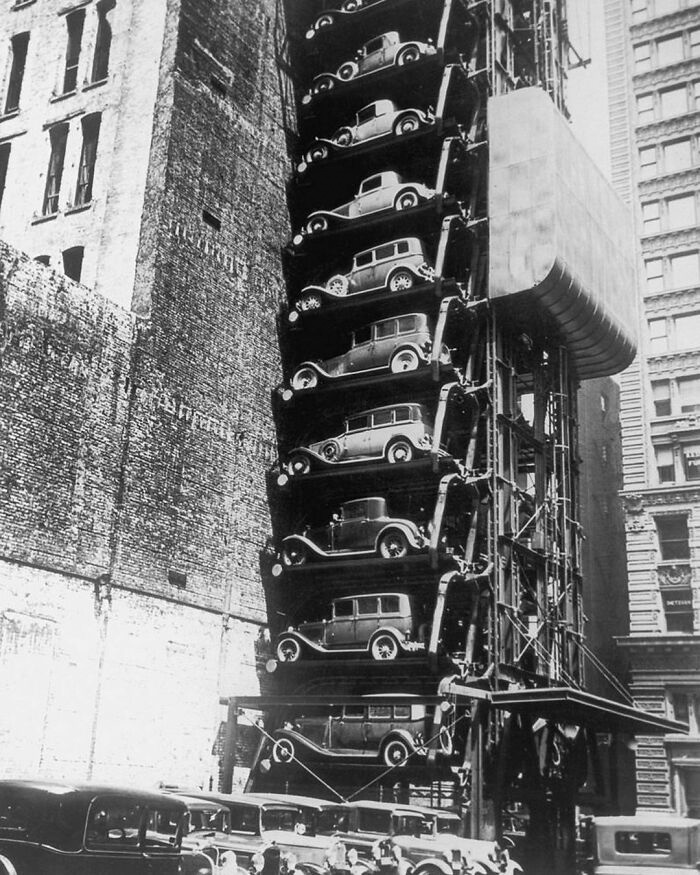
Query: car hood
x=294, y=839
x=478, y=849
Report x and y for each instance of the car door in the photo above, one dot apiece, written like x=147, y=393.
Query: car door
x=341, y=629
x=162, y=828
x=352, y=531
x=366, y=621
x=372, y=55
x=379, y=432
x=368, y=199
x=362, y=353
x=379, y=724
x=356, y=445
x=366, y=123
x=349, y=732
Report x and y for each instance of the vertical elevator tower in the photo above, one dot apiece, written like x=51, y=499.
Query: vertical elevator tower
x=458, y=267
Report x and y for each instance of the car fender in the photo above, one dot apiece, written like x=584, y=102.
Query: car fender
x=404, y=736
x=314, y=366
x=412, y=441
x=413, y=536
x=423, y=117
x=302, y=639
x=302, y=539
x=422, y=354
x=432, y=862
x=312, y=454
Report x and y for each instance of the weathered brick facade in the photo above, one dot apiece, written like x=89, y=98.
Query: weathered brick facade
x=136, y=444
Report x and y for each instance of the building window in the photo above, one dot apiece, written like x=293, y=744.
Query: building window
x=645, y=109
x=677, y=156
x=681, y=211
x=19, y=44
x=664, y=464
x=696, y=95
x=687, y=330
x=651, y=217
x=654, y=274
x=86, y=171
x=58, y=136
x=658, y=336
x=695, y=43
x=689, y=394
x=103, y=43
x=672, y=534
x=4, y=162
x=685, y=270
x=642, y=57
x=74, y=23
x=647, y=162
x=639, y=11
x=661, y=393
x=669, y=50
x=674, y=101
x=73, y=262
x=690, y=453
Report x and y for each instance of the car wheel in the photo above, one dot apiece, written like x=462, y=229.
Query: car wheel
x=324, y=21
x=343, y=137
x=317, y=153
x=399, y=451
x=351, y=5
x=7, y=867
x=406, y=200
x=294, y=554
x=407, y=125
x=347, y=71
x=384, y=646
x=393, y=545
x=409, y=55
x=318, y=224
x=305, y=378
x=401, y=280
x=330, y=451
x=310, y=301
x=395, y=752
x=404, y=360
x=299, y=463
x=337, y=285
x=445, y=741
x=289, y=650
x=323, y=84
x=283, y=750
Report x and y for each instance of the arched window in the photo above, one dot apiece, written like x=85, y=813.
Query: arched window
x=103, y=42
x=73, y=262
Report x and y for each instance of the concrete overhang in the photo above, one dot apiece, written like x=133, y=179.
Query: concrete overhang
x=562, y=244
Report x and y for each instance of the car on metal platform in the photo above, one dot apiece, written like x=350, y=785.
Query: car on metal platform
x=362, y=528
x=333, y=16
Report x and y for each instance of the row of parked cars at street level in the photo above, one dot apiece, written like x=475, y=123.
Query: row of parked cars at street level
x=60, y=829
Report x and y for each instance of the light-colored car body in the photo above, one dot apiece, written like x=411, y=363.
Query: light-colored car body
x=398, y=344
x=381, y=118
x=362, y=528
x=382, y=624
x=396, y=266
x=385, y=50
x=395, y=433
x=380, y=731
x=381, y=192
x=646, y=845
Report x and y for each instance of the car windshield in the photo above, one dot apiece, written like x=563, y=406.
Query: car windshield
x=283, y=819
x=208, y=819
x=413, y=825
x=333, y=820
x=245, y=818
x=163, y=829
x=449, y=825
x=643, y=843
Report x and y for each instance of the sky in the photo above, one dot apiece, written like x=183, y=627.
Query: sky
x=587, y=91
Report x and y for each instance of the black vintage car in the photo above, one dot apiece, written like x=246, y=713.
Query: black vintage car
x=66, y=829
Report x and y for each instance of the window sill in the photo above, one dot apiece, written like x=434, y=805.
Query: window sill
x=20, y=4
x=13, y=113
x=79, y=208
x=88, y=86
x=37, y=220
x=56, y=98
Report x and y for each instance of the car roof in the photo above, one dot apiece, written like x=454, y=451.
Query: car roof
x=411, y=404
x=293, y=799
x=194, y=803
x=368, y=595
x=648, y=822
x=388, y=242
x=88, y=790
x=360, y=500
x=242, y=799
x=388, y=806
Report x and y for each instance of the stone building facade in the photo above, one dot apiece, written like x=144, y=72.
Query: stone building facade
x=654, y=88
x=137, y=423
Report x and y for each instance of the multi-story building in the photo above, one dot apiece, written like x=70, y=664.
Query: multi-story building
x=141, y=152
x=654, y=81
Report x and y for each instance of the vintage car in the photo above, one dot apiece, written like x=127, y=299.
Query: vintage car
x=381, y=118
x=388, y=733
x=382, y=51
x=259, y=822
x=395, y=266
x=396, y=433
x=423, y=837
x=362, y=528
x=61, y=829
x=333, y=16
x=381, y=624
x=398, y=344
x=653, y=844
x=378, y=193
